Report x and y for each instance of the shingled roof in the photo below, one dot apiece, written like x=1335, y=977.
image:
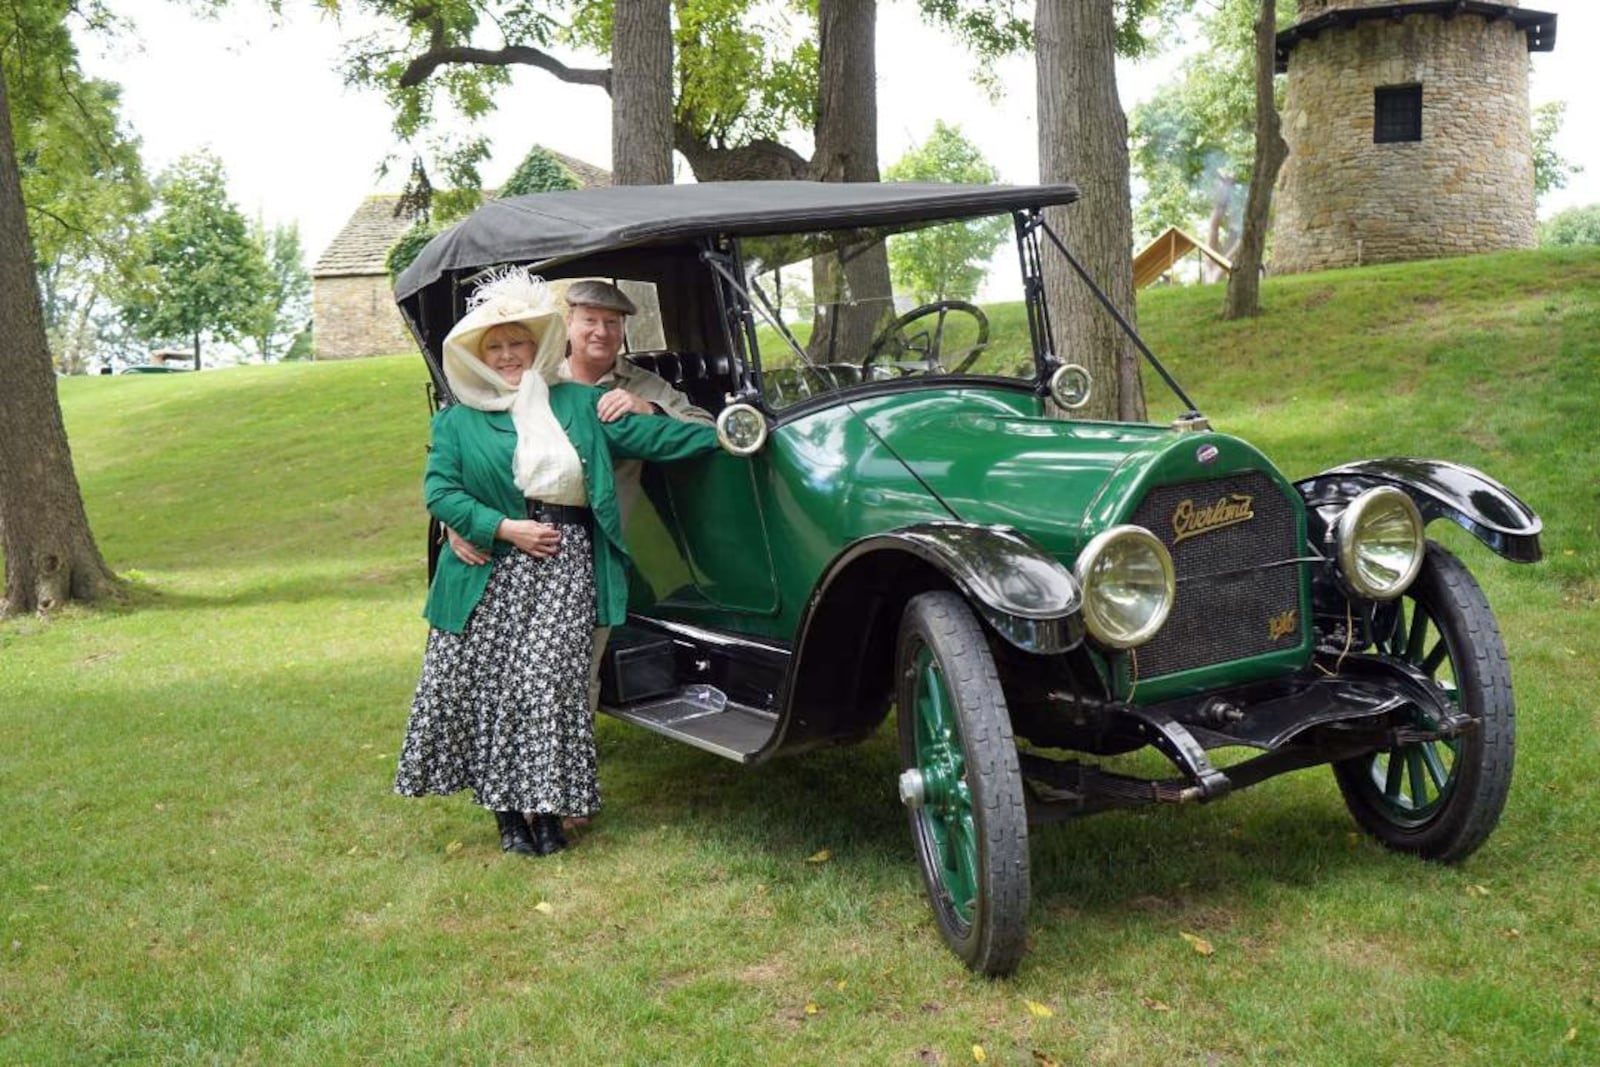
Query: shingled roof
x=361, y=247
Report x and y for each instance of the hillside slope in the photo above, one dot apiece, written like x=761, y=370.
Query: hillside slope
x=204, y=860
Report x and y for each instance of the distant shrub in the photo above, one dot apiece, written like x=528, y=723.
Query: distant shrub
x=539, y=172
x=1574, y=226
x=407, y=247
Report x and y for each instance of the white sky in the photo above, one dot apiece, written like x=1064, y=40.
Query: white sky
x=300, y=146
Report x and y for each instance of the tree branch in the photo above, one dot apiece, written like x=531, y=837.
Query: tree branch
x=419, y=69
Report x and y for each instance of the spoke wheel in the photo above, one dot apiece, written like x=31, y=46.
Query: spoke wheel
x=969, y=824
x=1440, y=799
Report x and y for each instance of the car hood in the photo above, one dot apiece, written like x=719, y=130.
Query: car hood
x=1057, y=481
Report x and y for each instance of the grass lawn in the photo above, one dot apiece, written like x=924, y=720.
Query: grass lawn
x=203, y=861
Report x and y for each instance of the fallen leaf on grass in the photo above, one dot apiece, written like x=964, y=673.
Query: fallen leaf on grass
x=544, y=908
x=41, y=888
x=1513, y=933
x=1041, y=1010
x=453, y=847
x=1477, y=891
x=839, y=985
x=978, y=1055
x=1155, y=1005
x=822, y=856
x=353, y=850
x=1198, y=943
x=811, y=1007
x=1044, y=1059
x=1572, y=1035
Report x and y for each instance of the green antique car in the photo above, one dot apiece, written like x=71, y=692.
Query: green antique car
x=906, y=515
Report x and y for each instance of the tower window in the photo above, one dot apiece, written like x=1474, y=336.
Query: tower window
x=1397, y=114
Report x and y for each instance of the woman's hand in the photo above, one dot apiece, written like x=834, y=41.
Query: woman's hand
x=534, y=538
x=464, y=550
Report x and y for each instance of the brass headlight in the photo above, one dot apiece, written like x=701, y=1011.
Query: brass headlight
x=1381, y=543
x=1128, y=586
x=741, y=429
x=1070, y=386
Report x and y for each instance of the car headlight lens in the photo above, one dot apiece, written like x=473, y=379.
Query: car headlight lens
x=1070, y=386
x=1380, y=543
x=741, y=429
x=1128, y=586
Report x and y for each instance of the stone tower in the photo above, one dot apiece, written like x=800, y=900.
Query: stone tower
x=1409, y=131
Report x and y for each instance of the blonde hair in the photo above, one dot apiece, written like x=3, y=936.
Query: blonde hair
x=518, y=330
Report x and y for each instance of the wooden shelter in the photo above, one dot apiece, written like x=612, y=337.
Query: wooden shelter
x=1159, y=256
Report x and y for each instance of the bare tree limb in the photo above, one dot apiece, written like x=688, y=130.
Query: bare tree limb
x=420, y=68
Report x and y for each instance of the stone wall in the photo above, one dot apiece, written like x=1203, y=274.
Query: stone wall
x=356, y=316
x=1466, y=187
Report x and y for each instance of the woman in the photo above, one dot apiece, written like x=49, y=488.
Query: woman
x=522, y=470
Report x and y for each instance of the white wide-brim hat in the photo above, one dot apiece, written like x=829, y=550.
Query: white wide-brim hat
x=511, y=295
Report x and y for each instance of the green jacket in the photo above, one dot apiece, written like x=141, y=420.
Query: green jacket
x=468, y=487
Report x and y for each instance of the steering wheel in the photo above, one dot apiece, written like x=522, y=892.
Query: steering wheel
x=899, y=339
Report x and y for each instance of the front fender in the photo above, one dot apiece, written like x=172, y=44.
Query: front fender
x=1466, y=496
x=842, y=677
x=1021, y=590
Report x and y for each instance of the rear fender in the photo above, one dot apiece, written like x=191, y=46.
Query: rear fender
x=1468, y=497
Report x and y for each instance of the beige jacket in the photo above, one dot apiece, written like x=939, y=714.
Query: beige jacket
x=655, y=389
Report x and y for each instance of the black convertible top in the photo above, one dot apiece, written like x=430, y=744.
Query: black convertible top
x=545, y=226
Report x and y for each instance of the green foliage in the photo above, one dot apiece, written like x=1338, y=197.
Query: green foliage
x=1550, y=169
x=204, y=275
x=1193, y=142
x=539, y=172
x=82, y=179
x=944, y=262
x=408, y=246
x=285, y=311
x=1574, y=226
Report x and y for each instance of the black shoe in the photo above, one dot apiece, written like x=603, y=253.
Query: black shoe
x=547, y=835
x=514, y=836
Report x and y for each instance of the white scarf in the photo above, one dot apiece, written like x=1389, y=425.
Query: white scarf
x=545, y=466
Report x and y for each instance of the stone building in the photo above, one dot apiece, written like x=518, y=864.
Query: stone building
x=352, y=300
x=1409, y=131
x=353, y=312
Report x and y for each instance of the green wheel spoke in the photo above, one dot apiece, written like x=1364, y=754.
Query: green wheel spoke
x=1419, y=777
x=1394, y=779
x=1436, y=655
x=1418, y=636
x=1436, y=768
x=964, y=887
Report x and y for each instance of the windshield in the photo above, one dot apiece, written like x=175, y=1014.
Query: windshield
x=846, y=308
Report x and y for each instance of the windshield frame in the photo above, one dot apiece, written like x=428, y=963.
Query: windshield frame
x=744, y=314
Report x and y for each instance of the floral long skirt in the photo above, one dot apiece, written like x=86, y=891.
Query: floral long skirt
x=503, y=707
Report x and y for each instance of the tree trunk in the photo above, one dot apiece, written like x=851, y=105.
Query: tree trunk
x=847, y=151
x=50, y=555
x=197, y=351
x=1083, y=138
x=641, y=93
x=1244, y=284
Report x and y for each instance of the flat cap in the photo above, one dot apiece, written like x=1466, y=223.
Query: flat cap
x=592, y=293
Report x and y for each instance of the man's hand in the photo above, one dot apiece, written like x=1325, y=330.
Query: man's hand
x=619, y=402
x=464, y=550
x=534, y=538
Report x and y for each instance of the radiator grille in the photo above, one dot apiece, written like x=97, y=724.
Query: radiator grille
x=1230, y=603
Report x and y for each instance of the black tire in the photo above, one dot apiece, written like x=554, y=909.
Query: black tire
x=971, y=836
x=1457, y=788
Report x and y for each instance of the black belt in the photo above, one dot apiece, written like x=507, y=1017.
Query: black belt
x=556, y=514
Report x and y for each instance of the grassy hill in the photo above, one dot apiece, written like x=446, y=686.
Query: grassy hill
x=203, y=861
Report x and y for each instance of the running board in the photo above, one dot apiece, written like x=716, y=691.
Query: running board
x=734, y=732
